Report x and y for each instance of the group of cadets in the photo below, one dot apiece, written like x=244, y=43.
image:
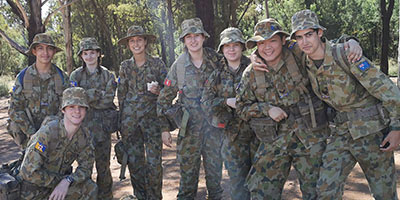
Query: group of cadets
x=316, y=105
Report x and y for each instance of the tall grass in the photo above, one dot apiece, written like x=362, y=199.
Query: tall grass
x=6, y=83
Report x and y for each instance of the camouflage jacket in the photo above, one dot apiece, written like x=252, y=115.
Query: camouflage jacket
x=133, y=96
x=364, y=87
x=50, y=155
x=100, y=86
x=43, y=102
x=220, y=86
x=281, y=91
x=194, y=83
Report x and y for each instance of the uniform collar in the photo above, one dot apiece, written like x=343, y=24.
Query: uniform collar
x=328, y=58
x=34, y=71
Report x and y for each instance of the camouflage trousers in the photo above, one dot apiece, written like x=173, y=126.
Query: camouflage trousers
x=200, y=140
x=340, y=157
x=272, y=165
x=144, y=147
x=104, y=179
x=86, y=190
x=238, y=154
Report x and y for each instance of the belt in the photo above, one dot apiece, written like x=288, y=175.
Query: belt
x=357, y=114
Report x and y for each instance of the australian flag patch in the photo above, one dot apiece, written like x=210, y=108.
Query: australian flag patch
x=364, y=66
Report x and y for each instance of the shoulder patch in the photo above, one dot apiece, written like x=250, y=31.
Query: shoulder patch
x=119, y=80
x=12, y=90
x=167, y=82
x=73, y=84
x=291, y=44
x=364, y=66
x=41, y=147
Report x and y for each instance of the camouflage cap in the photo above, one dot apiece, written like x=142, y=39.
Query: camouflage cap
x=193, y=25
x=88, y=43
x=136, y=31
x=264, y=30
x=305, y=19
x=74, y=96
x=42, y=38
x=230, y=35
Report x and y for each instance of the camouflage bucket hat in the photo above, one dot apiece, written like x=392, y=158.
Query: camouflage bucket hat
x=137, y=31
x=88, y=43
x=193, y=25
x=305, y=19
x=42, y=38
x=230, y=35
x=264, y=30
x=74, y=96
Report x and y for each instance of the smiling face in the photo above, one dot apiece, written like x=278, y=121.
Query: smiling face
x=44, y=53
x=194, y=42
x=232, y=51
x=271, y=50
x=74, y=114
x=90, y=57
x=137, y=44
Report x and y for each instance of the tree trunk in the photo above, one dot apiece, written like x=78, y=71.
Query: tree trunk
x=386, y=14
x=398, y=55
x=66, y=15
x=170, y=35
x=233, y=14
x=35, y=24
x=205, y=11
x=266, y=9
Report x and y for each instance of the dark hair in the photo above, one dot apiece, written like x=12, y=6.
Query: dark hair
x=98, y=59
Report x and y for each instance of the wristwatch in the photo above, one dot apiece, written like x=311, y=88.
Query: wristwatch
x=69, y=179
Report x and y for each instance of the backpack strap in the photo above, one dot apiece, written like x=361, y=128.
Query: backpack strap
x=180, y=70
x=59, y=81
x=27, y=82
x=261, y=85
x=339, y=55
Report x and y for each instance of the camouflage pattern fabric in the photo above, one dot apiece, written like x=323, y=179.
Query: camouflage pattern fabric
x=264, y=30
x=345, y=93
x=342, y=154
x=48, y=160
x=42, y=38
x=140, y=126
x=100, y=87
x=194, y=25
x=305, y=19
x=230, y=35
x=200, y=138
x=43, y=102
x=293, y=144
x=137, y=31
x=88, y=43
x=239, y=142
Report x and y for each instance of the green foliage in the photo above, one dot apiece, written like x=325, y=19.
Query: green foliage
x=5, y=85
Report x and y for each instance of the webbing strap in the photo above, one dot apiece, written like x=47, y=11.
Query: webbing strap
x=185, y=119
x=294, y=72
x=27, y=84
x=261, y=85
x=180, y=71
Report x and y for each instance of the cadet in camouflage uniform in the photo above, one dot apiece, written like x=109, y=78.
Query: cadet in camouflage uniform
x=139, y=85
x=100, y=85
x=240, y=143
x=367, y=105
x=196, y=138
x=45, y=170
x=37, y=91
x=278, y=106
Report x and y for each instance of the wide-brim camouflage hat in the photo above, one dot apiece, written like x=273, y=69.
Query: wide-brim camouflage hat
x=74, y=96
x=194, y=25
x=230, y=35
x=137, y=31
x=42, y=38
x=264, y=30
x=88, y=43
x=305, y=19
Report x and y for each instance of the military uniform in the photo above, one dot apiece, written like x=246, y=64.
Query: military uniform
x=34, y=97
x=140, y=126
x=100, y=87
x=239, y=142
x=362, y=97
x=295, y=140
x=48, y=159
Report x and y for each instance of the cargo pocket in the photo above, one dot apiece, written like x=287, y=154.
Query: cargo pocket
x=264, y=128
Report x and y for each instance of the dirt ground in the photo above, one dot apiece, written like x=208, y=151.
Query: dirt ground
x=356, y=185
